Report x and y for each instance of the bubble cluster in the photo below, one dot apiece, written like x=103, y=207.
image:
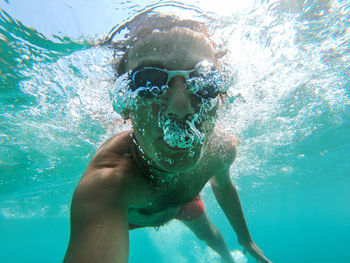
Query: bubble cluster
x=177, y=133
x=206, y=84
x=181, y=134
x=208, y=81
x=122, y=98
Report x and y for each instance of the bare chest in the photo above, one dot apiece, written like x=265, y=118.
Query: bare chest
x=166, y=197
x=174, y=192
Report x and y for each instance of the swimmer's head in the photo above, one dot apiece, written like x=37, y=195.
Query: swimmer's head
x=144, y=25
x=169, y=85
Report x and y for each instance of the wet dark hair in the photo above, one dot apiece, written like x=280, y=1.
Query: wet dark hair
x=122, y=38
x=143, y=25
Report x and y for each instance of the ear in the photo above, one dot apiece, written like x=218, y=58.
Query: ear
x=125, y=114
x=223, y=97
x=220, y=53
x=223, y=101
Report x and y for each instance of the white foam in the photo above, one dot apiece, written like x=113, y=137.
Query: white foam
x=239, y=257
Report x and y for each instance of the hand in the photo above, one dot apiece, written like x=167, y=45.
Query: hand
x=256, y=252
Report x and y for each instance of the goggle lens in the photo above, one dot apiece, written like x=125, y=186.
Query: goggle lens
x=149, y=82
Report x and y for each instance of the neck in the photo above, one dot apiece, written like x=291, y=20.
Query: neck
x=148, y=167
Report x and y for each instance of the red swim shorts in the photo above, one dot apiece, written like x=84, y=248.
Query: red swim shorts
x=191, y=210
x=188, y=211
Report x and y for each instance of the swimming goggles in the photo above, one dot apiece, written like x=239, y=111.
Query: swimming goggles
x=152, y=82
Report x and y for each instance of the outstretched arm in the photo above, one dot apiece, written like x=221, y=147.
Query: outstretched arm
x=99, y=222
x=227, y=196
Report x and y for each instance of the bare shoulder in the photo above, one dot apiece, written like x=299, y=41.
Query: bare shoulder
x=223, y=147
x=119, y=144
x=114, y=156
x=112, y=171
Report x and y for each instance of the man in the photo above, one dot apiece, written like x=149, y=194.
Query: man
x=169, y=86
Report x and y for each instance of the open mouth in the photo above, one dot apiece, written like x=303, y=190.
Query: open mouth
x=180, y=135
x=176, y=147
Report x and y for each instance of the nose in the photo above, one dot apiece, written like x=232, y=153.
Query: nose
x=178, y=100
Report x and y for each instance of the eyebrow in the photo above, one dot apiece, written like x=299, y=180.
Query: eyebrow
x=147, y=64
x=157, y=64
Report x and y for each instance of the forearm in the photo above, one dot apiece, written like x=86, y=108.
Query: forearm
x=99, y=241
x=99, y=226
x=227, y=197
x=229, y=201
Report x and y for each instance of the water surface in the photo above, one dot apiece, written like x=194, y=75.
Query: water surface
x=292, y=68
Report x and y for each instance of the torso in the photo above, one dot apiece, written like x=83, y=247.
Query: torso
x=165, y=198
x=157, y=202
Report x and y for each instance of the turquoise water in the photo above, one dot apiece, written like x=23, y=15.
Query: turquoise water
x=293, y=166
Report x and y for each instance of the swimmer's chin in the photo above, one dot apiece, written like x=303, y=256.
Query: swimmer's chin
x=177, y=148
x=178, y=166
x=179, y=160
x=181, y=146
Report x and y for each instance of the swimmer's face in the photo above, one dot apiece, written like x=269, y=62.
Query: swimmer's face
x=162, y=125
